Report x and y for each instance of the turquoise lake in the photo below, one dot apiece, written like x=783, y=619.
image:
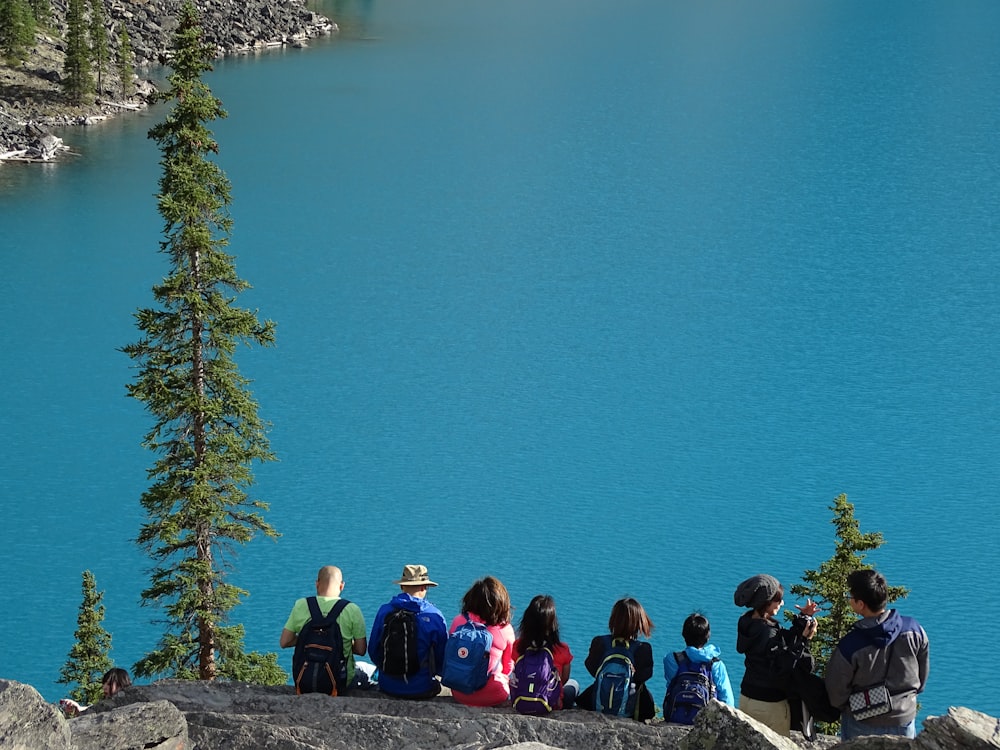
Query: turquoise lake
x=602, y=299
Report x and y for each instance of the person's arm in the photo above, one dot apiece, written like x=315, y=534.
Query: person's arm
x=566, y=657
x=923, y=661
x=669, y=667
x=288, y=638
x=507, y=656
x=375, y=652
x=595, y=656
x=356, y=629
x=439, y=637
x=643, y=661
x=723, y=687
x=839, y=675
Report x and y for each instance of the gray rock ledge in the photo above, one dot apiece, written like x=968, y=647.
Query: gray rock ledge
x=181, y=715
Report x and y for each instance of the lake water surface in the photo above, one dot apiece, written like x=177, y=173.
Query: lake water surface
x=602, y=299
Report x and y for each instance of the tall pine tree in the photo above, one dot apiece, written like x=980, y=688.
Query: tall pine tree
x=126, y=71
x=77, y=82
x=206, y=430
x=98, y=41
x=17, y=28
x=88, y=658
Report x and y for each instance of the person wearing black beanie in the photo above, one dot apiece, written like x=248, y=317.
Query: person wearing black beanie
x=772, y=652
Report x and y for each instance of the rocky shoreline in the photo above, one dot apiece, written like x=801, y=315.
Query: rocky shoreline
x=31, y=97
x=189, y=715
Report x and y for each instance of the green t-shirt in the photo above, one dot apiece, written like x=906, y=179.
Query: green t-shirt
x=350, y=620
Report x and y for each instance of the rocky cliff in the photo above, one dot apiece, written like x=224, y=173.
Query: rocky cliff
x=31, y=97
x=176, y=715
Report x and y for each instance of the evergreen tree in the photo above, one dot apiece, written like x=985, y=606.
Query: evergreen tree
x=17, y=28
x=828, y=585
x=77, y=82
x=42, y=11
x=126, y=71
x=206, y=430
x=88, y=658
x=98, y=41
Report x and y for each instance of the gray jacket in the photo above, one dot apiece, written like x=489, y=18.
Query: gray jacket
x=860, y=661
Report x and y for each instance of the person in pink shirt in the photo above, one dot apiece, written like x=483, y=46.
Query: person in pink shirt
x=488, y=603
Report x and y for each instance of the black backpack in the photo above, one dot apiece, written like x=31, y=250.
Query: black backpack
x=399, y=644
x=319, y=664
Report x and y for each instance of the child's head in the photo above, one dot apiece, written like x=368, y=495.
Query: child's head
x=629, y=620
x=489, y=599
x=114, y=680
x=539, y=624
x=696, y=630
x=869, y=587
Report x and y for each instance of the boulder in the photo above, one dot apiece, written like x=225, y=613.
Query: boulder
x=27, y=722
x=158, y=725
x=720, y=726
x=960, y=727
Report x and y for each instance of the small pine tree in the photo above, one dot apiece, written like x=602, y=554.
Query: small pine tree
x=77, y=81
x=828, y=585
x=88, y=658
x=17, y=29
x=207, y=431
x=126, y=71
x=98, y=41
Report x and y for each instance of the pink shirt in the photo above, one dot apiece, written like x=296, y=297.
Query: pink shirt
x=496, y=692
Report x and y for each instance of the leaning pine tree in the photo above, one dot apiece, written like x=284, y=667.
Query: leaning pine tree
x=207, y=432
x=88, y=658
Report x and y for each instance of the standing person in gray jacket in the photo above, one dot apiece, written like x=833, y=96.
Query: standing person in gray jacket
x=883, y=647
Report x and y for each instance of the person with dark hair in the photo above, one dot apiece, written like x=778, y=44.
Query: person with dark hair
x=539, y=628
x=772, y=653
x=488, y=603
x=428, y=630
x=883, y=650
x=114, y=680
x=697, y=632
x=628, y=621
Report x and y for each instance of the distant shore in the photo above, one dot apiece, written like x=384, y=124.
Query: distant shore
x=31, y=96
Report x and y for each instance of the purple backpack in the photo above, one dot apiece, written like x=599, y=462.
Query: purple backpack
x=535, y=686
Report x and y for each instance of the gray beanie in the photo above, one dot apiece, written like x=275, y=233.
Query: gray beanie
x=756, y=591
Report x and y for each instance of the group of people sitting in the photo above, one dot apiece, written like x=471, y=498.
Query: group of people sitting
x=482, y=659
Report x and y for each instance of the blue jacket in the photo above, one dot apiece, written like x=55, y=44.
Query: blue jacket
x=431, y=636
x=720, y=676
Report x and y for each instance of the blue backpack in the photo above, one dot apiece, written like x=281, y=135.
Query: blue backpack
x=614, y=686
x=689, y=691
x=318, y=663
x=535, y=686
x=467, y=657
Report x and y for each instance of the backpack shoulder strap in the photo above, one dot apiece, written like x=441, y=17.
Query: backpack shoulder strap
x=315, y=613
x=334, y=613
x=680, y=657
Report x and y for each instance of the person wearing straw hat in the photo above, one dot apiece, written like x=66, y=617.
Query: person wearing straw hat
x=408, y=637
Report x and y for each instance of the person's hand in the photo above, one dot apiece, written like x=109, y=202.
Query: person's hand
x=810, y=609
x=810, y=629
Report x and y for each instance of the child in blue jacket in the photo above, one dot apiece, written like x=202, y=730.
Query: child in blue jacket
x=696, y=632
